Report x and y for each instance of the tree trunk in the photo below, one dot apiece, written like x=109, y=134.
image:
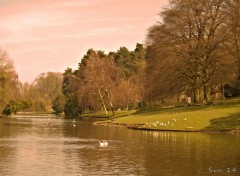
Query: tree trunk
x=206, y=83
x=110, y=102
x=102, y=102
x=206, y=92
x=239, y=67
x=196, y=95
x=237, y=56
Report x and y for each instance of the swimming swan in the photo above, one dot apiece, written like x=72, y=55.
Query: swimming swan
x=103, y=143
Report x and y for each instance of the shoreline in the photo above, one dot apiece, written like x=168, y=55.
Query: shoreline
x=139, y=126
x=221, y=117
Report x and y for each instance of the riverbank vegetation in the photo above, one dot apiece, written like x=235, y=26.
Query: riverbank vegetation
x=221, y=116
x=105, y=82
x=190, y=57
x=36, y=97
x=190, y=60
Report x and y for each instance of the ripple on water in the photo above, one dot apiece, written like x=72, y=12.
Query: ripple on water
x=27, y=147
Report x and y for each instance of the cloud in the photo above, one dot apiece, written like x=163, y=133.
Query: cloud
x=59, y=32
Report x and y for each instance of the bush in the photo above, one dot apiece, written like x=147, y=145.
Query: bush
x=72, y=107
x=232, y=89
x=58, y=104
x=15, y=106
x=40, y=106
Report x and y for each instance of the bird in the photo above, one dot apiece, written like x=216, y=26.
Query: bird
x=185, y=119
x=74, y=125
x=103, y=143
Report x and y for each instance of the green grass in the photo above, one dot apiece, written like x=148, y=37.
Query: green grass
x=226, y=123
x=110, y=115
x=223, y=115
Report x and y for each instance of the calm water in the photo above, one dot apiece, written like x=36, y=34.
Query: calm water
x=28, y=147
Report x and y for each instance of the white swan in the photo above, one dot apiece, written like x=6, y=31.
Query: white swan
x=103, y=143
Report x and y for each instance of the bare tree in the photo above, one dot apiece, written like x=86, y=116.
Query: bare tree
x=233, y=11
x=9, y=89
x=192, y=37
x=98, y=78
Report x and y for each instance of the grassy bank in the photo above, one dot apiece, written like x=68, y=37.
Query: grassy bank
x=221, y=116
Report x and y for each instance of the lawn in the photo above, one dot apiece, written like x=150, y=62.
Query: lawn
x=221, y=116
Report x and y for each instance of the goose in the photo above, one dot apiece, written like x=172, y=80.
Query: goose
x=103, y=143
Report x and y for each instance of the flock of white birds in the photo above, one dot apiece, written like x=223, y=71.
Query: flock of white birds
x=168, y=123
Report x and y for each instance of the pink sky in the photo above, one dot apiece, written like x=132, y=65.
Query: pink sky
x=51, y=35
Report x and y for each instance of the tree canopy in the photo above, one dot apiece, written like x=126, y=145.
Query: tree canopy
x=194, y=50
x=8, y=80
x=106, y=81
x=188, y=51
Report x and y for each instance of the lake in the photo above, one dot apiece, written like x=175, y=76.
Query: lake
x=42, y=146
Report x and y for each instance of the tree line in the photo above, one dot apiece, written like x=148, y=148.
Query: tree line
x=194, y=50
x=35, y=97
x=105, y=81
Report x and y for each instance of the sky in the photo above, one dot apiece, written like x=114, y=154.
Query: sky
x=52, y=35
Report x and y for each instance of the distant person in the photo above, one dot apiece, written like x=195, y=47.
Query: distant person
x=188, y=100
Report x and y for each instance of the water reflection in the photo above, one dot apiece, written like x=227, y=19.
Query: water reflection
x=191, y=153
x=30, y=147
